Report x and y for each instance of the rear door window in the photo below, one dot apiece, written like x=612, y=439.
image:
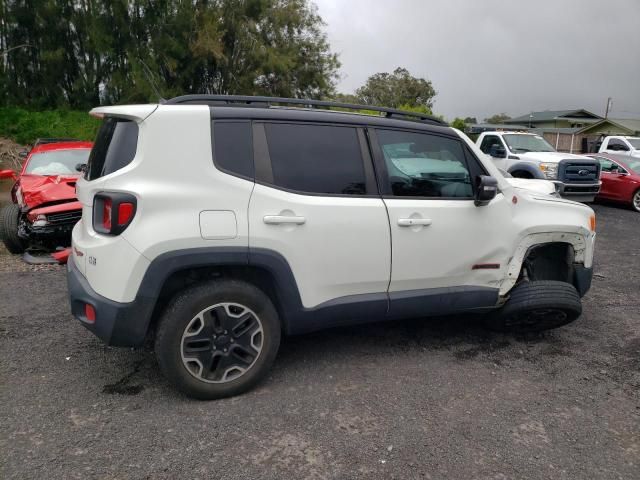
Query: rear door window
x=114, y=148
x=316, y=159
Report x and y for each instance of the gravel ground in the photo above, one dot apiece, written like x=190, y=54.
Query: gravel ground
x=421, y=399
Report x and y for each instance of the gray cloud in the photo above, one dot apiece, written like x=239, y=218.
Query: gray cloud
x=492, y=56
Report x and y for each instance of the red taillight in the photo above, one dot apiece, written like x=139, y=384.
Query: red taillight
x=125, y=213
x=106, y=214
x=113, y=212
x=89, y=313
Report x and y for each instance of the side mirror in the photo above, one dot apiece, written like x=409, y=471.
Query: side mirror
x=486, y=190
x=81, y=167
x=7, y=174
x=23, y=154
x=497, y=151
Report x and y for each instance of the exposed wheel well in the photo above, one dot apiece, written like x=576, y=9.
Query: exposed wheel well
x=549, y=261
x=521, y=174
x=182, y=279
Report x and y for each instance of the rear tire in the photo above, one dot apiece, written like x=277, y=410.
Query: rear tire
x=9, y=217
x=217, y=339
x=537, y=306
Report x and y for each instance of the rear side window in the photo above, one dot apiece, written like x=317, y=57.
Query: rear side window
x=232, y=148
x=316, y=159
x=114, y=148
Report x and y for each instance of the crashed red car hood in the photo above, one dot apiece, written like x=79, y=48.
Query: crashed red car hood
x=39, y=189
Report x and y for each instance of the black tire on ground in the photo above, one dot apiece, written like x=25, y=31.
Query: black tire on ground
x=226, y=361
x=537, y=306
x=9, y=215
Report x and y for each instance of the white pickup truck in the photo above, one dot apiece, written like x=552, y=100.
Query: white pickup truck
x=527, y=155
x=621, y=145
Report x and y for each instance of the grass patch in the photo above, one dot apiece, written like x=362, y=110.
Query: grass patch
x=25, y=126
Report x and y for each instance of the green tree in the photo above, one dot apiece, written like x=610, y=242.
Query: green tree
x=121, y=51
x=497, y=118
x=470, y=120
x=396, y=89
x=458, y=123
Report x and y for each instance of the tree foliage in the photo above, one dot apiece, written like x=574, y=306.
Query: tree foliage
x=470, y=120
x=81, y=53
x=497, y=118
x=397, y=89
x=458, y=123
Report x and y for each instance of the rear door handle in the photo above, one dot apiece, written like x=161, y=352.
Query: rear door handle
x=410, y=222
x=280, y=219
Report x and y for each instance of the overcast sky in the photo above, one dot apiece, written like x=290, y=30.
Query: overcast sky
x=492, y=56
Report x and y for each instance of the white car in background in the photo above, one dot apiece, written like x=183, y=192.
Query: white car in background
x=621, y=145
x=529, y=156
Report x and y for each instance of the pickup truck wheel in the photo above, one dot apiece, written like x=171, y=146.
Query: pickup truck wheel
x=217, y=339
x=635, y=202
x=537, y=306
x=9, y=216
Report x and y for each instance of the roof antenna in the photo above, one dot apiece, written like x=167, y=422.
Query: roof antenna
x=149, y=75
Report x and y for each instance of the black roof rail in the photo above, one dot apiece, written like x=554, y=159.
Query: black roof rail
x=266, y=102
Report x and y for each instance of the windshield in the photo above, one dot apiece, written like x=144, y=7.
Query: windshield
x=58, y=162
x=635, y=142
x=527, y=143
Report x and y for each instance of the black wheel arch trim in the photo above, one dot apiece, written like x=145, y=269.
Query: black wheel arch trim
x=127, y=324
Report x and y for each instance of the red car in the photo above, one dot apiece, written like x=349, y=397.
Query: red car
x=620, y=175
x=45, y=207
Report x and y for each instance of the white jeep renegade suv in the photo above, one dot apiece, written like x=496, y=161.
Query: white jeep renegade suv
x=217, y=223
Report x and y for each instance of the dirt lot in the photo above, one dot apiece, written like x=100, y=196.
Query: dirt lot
x=421, y=399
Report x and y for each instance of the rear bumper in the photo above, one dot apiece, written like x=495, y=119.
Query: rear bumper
x=117, y=324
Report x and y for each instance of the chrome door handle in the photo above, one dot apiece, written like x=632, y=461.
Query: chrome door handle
x=280, y=219
x=410, y=222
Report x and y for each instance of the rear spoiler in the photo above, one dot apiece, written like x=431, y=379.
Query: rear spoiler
x=136, y=113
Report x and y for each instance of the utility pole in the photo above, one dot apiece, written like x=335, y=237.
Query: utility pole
x=609, y=104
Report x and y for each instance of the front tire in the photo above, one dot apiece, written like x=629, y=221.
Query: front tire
x=9, y=218
x=635, y=201
x=217, y=339
x=537, y=306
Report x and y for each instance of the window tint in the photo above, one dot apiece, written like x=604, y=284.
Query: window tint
x=619, y=145
x=316, y=158
x=488, y=142
x=605, y=164
x=232, y=148
x=423, y=165
x=114, y=148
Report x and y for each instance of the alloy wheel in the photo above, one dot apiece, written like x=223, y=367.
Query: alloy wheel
x=222, y=342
